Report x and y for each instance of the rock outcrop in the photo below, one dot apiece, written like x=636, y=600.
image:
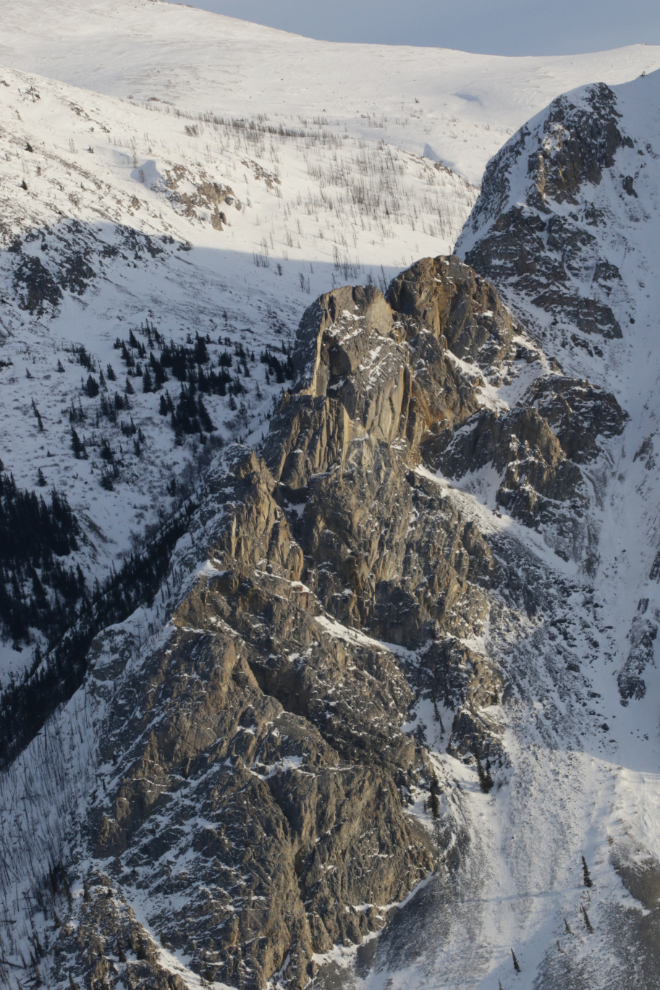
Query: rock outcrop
x=534, y=232
x=258, y=787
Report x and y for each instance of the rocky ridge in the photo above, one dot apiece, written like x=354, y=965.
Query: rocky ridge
x=265, y=782
x=545, y=232
x=564, y=206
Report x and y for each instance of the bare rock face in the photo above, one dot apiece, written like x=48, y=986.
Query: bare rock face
x=578, y=413
x=447, y=297
x=523, y=448
x=109, y=940
x=264, y=743
x=536, y=447
x=255, y=781
x=452, y=674
x=533, y=232
x=642, y=635
x=587, y=138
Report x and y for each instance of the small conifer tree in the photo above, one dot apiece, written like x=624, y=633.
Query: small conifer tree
x=91, y=387
x=38, y=416
x=77, y=446
x=516, y=964
x=588, y=882
x=147, y=383
x=485, y=779
x=434, y=801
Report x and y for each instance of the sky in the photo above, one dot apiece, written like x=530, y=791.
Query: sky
x=495, y=27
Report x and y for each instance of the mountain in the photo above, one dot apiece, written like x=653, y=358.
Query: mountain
x=565, y=227
x=365, y=693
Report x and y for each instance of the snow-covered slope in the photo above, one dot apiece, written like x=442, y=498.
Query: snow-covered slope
x=460, y=107
x=117, y=218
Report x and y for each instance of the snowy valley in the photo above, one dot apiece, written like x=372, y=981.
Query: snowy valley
x=340, y=668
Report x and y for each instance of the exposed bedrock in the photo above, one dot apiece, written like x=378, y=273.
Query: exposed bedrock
x=257, y=782
x=537, y=227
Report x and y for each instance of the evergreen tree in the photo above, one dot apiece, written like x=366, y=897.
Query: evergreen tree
x=38, y=416
x=587, y=922
x=111, y=374
x=435, y=797
x=84, y=358
x=91, y=387
x=159, y=372
x=201, y=355
x=41, y=481
x=60, y=366
x=107, y=481
x=485, y=779
x=129, y=388
x=147, y=383
x=516, y=964
x=588, y=882
x=204, y=418
x=106, y=451
x=77, y=446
